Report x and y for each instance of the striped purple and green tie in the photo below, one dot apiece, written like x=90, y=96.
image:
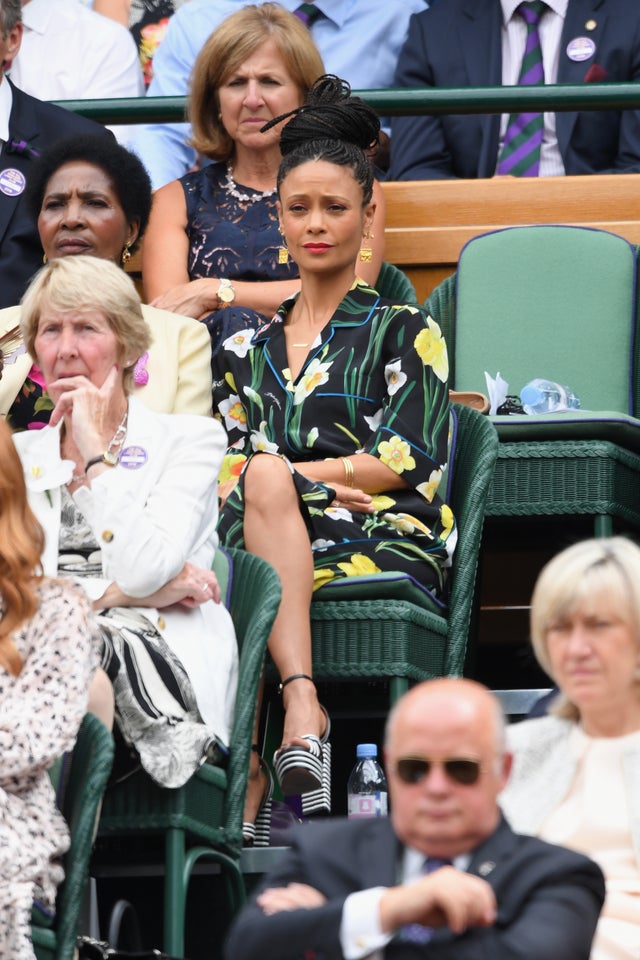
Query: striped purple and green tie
x=520, y=156
x=308, y=13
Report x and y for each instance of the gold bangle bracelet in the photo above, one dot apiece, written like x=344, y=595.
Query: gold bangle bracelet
x=348, y=471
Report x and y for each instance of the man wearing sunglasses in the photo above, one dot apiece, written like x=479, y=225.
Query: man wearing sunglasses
x=444, y=878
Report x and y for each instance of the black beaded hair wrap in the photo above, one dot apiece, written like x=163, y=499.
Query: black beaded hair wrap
x=331, y=125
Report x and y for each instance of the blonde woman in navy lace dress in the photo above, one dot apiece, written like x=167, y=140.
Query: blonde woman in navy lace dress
x=47, y=656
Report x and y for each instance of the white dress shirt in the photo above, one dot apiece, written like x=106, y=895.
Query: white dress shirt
x=69, y=52
x=360, y=932
x=6, y=102
x=514, y=38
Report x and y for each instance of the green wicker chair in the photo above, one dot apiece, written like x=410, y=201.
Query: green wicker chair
x=393, y=284
x=557, y=302
x=91, y=761
x=385, y=625
x=203, y=819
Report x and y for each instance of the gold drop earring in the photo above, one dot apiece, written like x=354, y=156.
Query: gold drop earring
x=126, y=253
x=283, y=250
x=366, y=253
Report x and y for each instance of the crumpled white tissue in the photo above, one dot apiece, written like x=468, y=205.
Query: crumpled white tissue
x=496, y=391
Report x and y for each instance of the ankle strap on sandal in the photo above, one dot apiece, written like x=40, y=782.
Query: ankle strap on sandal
x=294, y=676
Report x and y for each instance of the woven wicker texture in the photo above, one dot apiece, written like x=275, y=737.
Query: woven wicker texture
x=90, y=768
x=386, y=638
x=564, y=473
x=208, y=809
x=395, y=285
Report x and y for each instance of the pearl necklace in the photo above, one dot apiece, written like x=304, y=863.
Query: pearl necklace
x=232, y=189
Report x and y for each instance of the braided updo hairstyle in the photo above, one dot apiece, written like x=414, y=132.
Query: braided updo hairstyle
x=331, y=125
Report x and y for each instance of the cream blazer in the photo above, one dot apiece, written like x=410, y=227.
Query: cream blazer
x=150, y=514
x=543, y=770
x=179, y=364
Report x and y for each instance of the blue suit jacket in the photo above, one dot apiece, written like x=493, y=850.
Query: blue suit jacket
x=39, y=124
x=549, y=898
x=457, y=43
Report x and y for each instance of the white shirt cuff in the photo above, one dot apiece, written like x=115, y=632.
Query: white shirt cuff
x=360, y=933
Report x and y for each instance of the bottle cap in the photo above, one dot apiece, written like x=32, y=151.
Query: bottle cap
x=364, y=750
x=531, y=395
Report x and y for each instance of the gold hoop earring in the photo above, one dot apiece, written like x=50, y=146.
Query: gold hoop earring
x=44, y=258
x=126, y=253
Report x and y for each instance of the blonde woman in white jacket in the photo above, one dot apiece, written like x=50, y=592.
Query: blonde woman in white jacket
x=128, y=501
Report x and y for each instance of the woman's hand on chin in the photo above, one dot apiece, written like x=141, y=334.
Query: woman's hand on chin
x=89, y=411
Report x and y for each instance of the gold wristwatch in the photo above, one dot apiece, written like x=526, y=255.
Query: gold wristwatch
x=226, y=293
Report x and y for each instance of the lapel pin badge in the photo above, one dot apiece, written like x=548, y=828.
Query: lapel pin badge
x=486, y=867
x=580, y=48
x=12, y=182
x=590, y=25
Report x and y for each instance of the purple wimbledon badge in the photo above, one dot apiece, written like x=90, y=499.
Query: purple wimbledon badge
x=12, y=182
x=133, y=458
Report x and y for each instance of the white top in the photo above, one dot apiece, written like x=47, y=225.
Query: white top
x=69, y=52
x=6, y=102
x=514, y=37
x=594, y=818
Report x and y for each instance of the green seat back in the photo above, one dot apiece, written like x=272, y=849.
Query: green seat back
x=548, y=301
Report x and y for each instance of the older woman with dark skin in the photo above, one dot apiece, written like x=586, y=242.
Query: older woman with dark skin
x=47, y=656
x=213, y=249
x=91, y=196
x=337, y=412
x=127, y=499
x=576, y=773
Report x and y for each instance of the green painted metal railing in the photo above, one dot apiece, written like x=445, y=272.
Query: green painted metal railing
x=401, y=102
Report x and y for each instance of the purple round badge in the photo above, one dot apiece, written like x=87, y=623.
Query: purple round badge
x=133, y=458
x=12, y=182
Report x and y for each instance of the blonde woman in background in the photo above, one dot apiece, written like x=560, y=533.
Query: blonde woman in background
x=576, y=773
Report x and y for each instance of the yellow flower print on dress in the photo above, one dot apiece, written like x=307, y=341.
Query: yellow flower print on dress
x=446, y=519
x=359, y=566
x=320, y=577
x=380, y=502
x=396, y=454
x=432, y=349
x=231, y=467
x=429, y=489
x=316, y=374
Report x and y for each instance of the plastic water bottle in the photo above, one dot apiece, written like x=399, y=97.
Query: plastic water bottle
x=545, y=396
x=367, y=785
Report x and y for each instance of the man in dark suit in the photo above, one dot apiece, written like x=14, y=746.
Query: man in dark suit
x=476, y=43
x=374, y=888
x=27, y=127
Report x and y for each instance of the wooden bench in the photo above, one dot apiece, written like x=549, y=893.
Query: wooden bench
x=429, y=221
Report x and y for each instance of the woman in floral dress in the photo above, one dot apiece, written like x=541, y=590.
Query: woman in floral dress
x=47, y=657
x=337, y=413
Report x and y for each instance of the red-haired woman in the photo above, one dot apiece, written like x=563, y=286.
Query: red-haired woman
x=47, y=658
